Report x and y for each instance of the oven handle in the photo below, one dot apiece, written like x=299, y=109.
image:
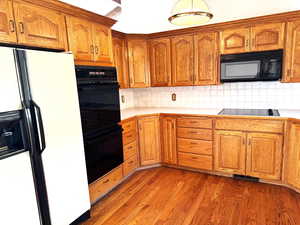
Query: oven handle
x=41, y=133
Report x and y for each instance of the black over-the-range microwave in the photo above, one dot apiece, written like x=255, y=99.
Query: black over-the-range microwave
x=253, y=66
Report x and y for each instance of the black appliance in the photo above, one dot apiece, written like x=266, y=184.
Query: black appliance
x=250, y=112
x=253, y=66
x=98, y=91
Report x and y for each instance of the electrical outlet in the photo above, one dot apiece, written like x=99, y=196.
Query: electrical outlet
x=173, y=97
x=123, y=98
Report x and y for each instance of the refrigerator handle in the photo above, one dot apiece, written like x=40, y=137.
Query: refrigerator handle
x=39, y=119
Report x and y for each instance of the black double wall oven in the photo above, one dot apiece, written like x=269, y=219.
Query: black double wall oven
x=98, y=91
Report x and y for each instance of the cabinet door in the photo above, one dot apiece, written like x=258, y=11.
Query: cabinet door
x=168, y=131
x=230, y=152
x=38, y=26
x=80, y=38
x=264, y=155
x=138, y=63
x=292, y=52
x=293, y=156
x=7, y=22
x=160, y=62
x=206, y=61
x=267, y=37
x=149, y=140
x=235, y=40
x=120, y=60
x=102, y=44
x=183, y=60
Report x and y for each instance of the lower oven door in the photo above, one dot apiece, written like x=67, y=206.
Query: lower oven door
x=103, y=153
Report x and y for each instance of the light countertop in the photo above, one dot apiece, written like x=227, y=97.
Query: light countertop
x=130, y=112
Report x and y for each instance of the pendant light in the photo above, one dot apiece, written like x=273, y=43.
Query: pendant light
x=190, y=12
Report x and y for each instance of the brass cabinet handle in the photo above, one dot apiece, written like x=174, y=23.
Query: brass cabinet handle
x=192, y=122
x=194, y=157
x=130, y=147
x=128, y=136
x=244, y=141
x=106, y=181
x=193, y=132
x=96, y=49
x=249, y=142
x=92, y=49
x=22, y=29
x=12, y=26
x=193, y=143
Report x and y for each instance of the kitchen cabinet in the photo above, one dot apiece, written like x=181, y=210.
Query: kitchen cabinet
x=160, y=62
x=7, y=22
x=230, y=152
x=138, y=63
x=168, y=133
x=182, y=60
x=121, y=61
x=261, y=37
x=91, y=43
x=206, y=58
x=38, y=26
x=149, y=137
x=264, y=155
x=292, y=53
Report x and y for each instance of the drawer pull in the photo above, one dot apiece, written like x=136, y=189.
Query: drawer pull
x=130, y=147
x=194, y=157
x=131, y=162
x=192, y=122
x=193, y=132
x=129, y=136
x=193, y=143
x=106, y=181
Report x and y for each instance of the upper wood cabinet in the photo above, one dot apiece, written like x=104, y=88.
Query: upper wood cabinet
x=38, y=26
x=7, y=22
x=91, y=43
x=121, y=61
x=264, y=155
x=138, y=63
x=183, y=60
x=206, y=58
x=149, y=134
x=168, y=133
x=292, y=52
x=160, y=62
x=230, y=152
x=260, y=37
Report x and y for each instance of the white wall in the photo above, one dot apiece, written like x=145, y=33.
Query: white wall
x=231, y=95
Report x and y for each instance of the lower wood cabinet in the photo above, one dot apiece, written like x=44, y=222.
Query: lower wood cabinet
x=195, y=161
x=130, y=165
x=149, y=139
x=168, y=140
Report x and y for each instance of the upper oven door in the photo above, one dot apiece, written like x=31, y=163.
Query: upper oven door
x=99, y=107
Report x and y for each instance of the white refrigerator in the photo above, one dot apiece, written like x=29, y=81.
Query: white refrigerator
x=46, y=183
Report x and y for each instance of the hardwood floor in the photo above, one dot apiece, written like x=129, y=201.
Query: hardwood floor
x=165, y=196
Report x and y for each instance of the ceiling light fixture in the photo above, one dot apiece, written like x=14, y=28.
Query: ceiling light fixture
x=190, y=13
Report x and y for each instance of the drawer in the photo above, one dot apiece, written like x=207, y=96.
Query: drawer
x=130, y=165
x=129, y=126
x=101, y=186
x=204, y=162
x=195, y=146
x=195, y=122
x=275, y=126
x=130, y=150
x=193, y=133
x=129, y=137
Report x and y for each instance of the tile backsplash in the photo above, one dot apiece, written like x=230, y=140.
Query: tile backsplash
x=228, y=95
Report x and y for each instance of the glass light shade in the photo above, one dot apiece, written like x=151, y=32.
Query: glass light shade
x=190, y=12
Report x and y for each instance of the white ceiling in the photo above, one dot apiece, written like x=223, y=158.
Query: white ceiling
x=148, y=16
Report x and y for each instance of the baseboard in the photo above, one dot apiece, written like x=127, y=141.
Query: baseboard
x=85, y=216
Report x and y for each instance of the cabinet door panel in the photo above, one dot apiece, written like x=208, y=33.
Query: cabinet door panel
x=120, y=60
x=183, y=61
x=235, y=40
x=138, y=63
x=160, y=62
x=7, y=23
x=206, y=61
x=149, y=140
x=38, y=26
x=80, y=38
x=292, y=52
x=267, y=37
x=230, y=152
x=264, y=155
x=168, y=128
x=102, y=44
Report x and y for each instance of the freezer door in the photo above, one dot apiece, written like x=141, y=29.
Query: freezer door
x=53, y=88
x=9, y=89
x=18, y=202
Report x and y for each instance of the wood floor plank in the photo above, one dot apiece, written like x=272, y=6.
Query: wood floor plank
x=165, y=196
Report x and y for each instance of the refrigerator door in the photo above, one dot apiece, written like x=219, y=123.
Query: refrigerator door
x=17, y=191
x=53, y=88
x=9, y=89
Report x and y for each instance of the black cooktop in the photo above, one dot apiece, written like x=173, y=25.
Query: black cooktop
x=250, y=112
